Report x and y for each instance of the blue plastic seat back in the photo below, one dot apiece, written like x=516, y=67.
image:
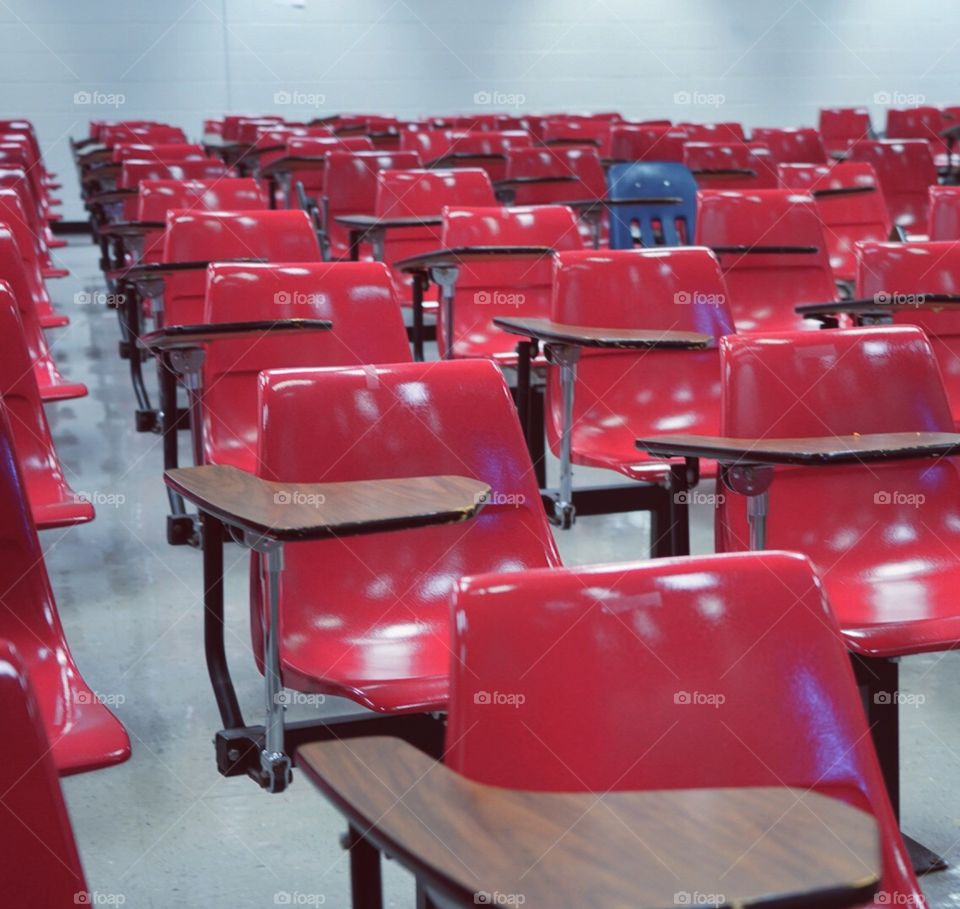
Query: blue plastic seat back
x=648, y=224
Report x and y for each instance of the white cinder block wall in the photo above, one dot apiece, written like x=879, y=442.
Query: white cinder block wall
x=763, y=62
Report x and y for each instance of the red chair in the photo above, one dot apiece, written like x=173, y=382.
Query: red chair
x=731, y=165
x=841, y=127
x=41, y=865
x=799, y=145
x=500, y=285
x=83, y=733
x=917, y=123
x=23, y=280
x=431, y=144
x=423, y=194
x=15, y=216
x=350, y=188
x=851, y=206
x=773, y=253
x=642, y=142
x=541, y=176
x=359, y=298
x=577, y=131
x=165, y=152
x=52, y=502
x=15, y=179
x=908, y=272
x=944, y=219
x=144, y=133
x=906, y=171
x=693, y=651
x=725, y=133
x=313, y=147
x=485, y=149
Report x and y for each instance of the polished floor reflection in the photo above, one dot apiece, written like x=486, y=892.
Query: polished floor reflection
x=165, y=830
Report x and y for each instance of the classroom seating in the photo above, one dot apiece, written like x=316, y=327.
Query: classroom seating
x=653, y=204
x=730, y=165
x=906, y=171
x=799, y=145
x=841, y=127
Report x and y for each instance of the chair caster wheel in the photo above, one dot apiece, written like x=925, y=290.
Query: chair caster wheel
x=181, y=530
x=147, y=421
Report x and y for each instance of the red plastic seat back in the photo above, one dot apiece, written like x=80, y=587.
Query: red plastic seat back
x=901, y=273
x=502, y=286
x=643, y=142
x=41, y=865
x=728, y=132
x=319, y=147
x=579, y=131
x=840, y=127
x=581, y=164
x=157, y=197
x=232, y=124
x=18, y=219
x=848, y=217
x=801, y=145
x=678, y=289
x=350, y=188
x=144, y=133
x=196, y=236
x=431, y=144
x=386, y=596
x=613, y=677
x=944, y=220
x=133, y=170
x=178, y=151
x=358, y=297
x=917, y=123
x=731, y=165
x=764, y=287
x=906, y=171
x=417, y=193
x=486, y=149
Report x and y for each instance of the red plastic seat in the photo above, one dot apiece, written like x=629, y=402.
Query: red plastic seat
x=319, y=147
x=350, y=188
x=15, y=179
x=370, y=621
x=944, y=219
x=917, y=123
x=841, y=127
x=21, y=275
x=788, y=264
x=727, y=132
x=906, y=271
x=848, y=217
x=800, y=145
x=906, y=171
x=486, y=149
x=83, y=733
x=41, y=865
x=643, y=142
x=134, y=170
x=420, y=193
x=501, y=286
x=579, y=131
x=52, y=502
x=359, y=298
x=669, y=674
x=143, y=132
x=197, y=236
x=579, y=163
x=166, y=152
x=622, y=395
x=883, y=536
x=13, y=213
x=731, y=165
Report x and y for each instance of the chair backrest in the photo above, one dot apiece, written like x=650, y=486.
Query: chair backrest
x=232, y=124
x=581, y=164
x=789, y=264
x=944, y=219
x=368, y=422
x=501, y=286
x=800, y=145
x=52, y=501
x=144, y=133
x=740, y=652
x=486, y=149
x=172, y=151
x=906, y=171
x=431, y=144
x=851, y=206
x=728, y=132
x=350, y=188
x=157, y=197
x=360, y=299
x=647, y=142
x=421, y=193
x=665, y=289
x=731, y=165
x=41, y=865
x=903, y=273
x=579, y=131
x=133, y=170
x=666, y=223
x=840, y=127
x=19, y=220
x=917, y=123
x=202, y=236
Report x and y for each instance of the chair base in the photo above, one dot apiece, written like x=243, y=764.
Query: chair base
x=923, y=860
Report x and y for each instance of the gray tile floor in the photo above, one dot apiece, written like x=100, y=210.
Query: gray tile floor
x=164, y=829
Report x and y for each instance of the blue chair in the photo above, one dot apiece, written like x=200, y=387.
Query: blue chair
x=666, y=198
